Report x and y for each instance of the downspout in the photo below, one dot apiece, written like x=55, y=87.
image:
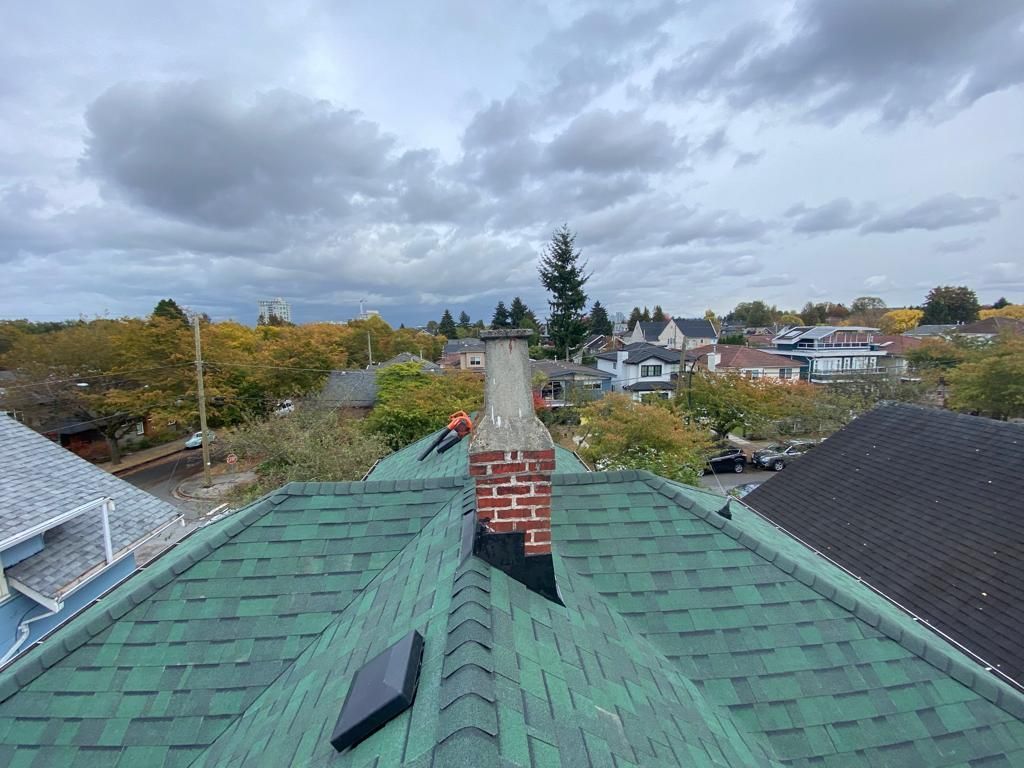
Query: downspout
x=23, y=632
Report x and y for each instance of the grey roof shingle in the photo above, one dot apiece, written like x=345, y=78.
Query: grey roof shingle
x=40, y=480
x=350, y=389
x=696, y=327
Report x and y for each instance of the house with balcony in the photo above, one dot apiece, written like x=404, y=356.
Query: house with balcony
x=832, y=353
x=568, y=383
x=644, y=370
x=68, y=533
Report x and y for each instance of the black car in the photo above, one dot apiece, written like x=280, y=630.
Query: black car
x=778, y=455
x=725, y=460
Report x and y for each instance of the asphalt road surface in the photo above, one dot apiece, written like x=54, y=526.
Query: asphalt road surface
x=162, y=477
x=722, y=482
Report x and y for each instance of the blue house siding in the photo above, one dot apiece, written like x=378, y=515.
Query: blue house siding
x=22, y=551
x=17, y=608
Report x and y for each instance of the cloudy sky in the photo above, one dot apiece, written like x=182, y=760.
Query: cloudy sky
x=418, y=155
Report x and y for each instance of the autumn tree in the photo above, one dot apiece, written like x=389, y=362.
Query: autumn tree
x=447, y=327
x=1014, y=311
x=725, y=401
x=947, y=304
x=599, y=322
x=412, y=403
x=991, y=382
x=618, y=433
x=897, y=321
x=564, y=275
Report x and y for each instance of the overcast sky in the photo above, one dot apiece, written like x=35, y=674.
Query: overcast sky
x=418, y=155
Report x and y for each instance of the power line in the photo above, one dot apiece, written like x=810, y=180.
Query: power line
x=46, y=382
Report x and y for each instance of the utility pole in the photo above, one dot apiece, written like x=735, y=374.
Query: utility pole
x=369, y=346
x=202, y=403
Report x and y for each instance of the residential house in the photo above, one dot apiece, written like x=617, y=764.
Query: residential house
x=930, y=331
x=988, y=329
x=569, y=383
x=596, y=343
x=923, y=504
x=358, y=388
x=831, y=353
x=896, y=349
x=675, y=333
x=467, y=354
x=626, y=619
x=68, y=533
x=644, y=370
x=752, y=363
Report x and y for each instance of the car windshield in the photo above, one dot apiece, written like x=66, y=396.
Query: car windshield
x=773, y=447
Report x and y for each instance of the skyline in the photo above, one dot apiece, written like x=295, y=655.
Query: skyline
x=813, y=151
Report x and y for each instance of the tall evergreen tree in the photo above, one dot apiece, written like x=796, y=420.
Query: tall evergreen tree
x=658, y=315
x=501, y=317
x=949, y=304
x=465, y=322
x=447, y=326
x=599, y=322
x=635, y=317
x=563, y=275
x=517, y=312
x=646, y=316
x=168, y=308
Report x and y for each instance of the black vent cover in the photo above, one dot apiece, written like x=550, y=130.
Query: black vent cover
x=382, y=689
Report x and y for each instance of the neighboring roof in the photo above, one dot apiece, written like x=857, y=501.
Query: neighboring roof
x=925, y=505
x=735, y=356
x=897, y=345
x=640, y=352
x=455, y=346
x=650, y=386
x=652, y=330
x=799, y=333
x=350, y=389
x=409, y=357
x=597, y=338
x=991, y=325
x=40, y=480
x=696, y=327
x=555, y=369
x=929, y=330
x=685, y=639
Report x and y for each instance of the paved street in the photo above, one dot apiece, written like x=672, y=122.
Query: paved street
x=162, y=477
x=723, y=482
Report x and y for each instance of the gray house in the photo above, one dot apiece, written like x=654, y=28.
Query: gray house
x=68, y=533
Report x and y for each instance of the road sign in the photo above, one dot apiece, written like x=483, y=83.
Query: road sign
x=231, y=459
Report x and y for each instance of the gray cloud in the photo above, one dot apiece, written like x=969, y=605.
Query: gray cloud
x=840, y=213
x=601, y=141
x=939, y=212
x=892, y=59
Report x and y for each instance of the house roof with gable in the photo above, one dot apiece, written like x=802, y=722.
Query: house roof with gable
x=734, y=356
x=990, y=325
x=923, y=331
x=455, y=346
x=685, y=638
x=948, y=545
x=641, y=352
x=696, y=327
x=651, y=330
x=556, y=369
x=897, y=346
x=40, y=480
x=355, y=388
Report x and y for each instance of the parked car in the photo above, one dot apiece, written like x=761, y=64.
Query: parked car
x=728, y=459
x=776, y=456
x=196, y=441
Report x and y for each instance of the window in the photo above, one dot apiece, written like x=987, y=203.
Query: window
x=650, y=370
x=664, y=395
x=552, y=391
x=590, y=385
x=474, y=360
x=755, y=374
x=785, y=373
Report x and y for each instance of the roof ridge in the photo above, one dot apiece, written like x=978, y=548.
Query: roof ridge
x=81, y=628
x=941, y=656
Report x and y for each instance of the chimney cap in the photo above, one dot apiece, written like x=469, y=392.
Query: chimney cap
x=507, y=333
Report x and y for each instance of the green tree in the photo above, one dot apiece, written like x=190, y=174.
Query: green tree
x=645, y=316
x=753, y=313
x=991, y=383
x=501, y=317
x=599, y=322
x=733, y=339
x=1000, y=303
x=447, y=326
x=412, y=403
x=563, y=275
x=726, y=401
x=635, y=317
x=465, y=322
x=658, y=315
x=618, y=433
x=169, y=309
x=864, y=304
x=517, y=312
x=948, y=304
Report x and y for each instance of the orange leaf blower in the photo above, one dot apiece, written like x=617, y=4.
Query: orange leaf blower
x=459, y=425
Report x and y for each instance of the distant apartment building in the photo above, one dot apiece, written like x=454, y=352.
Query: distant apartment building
x=278, y=308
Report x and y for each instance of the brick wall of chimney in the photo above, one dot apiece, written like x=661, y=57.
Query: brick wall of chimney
x=513, y=493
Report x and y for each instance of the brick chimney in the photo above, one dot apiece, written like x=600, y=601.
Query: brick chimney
x=511, y=455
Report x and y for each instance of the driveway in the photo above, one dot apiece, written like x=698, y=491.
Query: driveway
x=722, y=483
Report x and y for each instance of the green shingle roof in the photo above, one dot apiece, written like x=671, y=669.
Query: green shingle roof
x=685, y=639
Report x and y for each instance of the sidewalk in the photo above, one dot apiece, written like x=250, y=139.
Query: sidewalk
x=145, y=456
x=221, y=486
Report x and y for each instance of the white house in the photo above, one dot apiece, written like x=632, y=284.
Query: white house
x=644, y=370
x=675, y=333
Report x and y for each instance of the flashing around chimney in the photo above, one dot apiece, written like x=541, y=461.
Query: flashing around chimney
x=505, y=551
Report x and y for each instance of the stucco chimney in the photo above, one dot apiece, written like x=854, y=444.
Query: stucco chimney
x=511, y=455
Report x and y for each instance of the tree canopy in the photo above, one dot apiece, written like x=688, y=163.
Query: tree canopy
x=447, y=327
x=947, y=304
x=502, y=318
x=897, y=321
x=564, y=275
x=658, y=315
x=169, y=310
x=599, y=322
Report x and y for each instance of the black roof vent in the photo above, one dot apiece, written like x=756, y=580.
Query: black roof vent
x=725, y=511
x=382, y=689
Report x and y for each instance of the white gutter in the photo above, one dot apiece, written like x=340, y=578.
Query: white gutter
x=60, y=519
x=23, y=633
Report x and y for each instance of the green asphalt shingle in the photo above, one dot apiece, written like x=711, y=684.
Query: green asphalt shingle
x=685, y=639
